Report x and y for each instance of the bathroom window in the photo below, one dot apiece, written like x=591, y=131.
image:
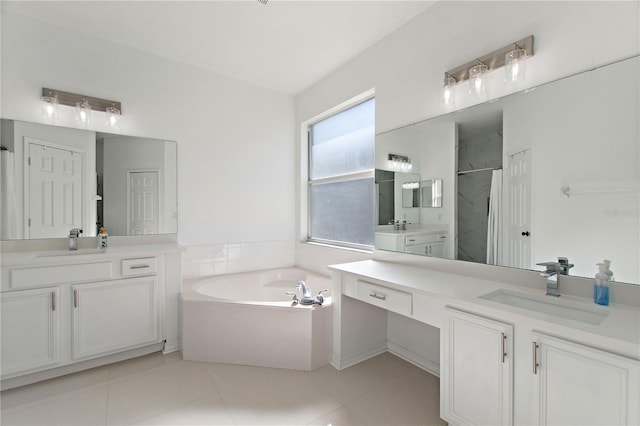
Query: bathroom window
x=341, y=177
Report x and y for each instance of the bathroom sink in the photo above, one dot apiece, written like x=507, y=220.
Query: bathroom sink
x=549, y=305
x=57, y=253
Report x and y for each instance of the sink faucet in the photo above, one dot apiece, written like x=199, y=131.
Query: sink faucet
x=73, y=238
x=552, y=270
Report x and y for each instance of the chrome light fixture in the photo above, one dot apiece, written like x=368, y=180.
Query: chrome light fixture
x=477, y=74
x=447, y=89
x=515, y=65
x=113, y=117
x=83, y=112
x=511, y=56
x=400, y=163
x=50, y=106
x=84, y=106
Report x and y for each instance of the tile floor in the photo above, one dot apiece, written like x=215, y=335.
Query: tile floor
x=165, y=390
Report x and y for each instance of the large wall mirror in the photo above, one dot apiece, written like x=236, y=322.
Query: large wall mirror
x=553, y=171
x=56, y=178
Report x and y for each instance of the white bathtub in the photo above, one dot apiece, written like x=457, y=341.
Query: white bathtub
x=248, y=319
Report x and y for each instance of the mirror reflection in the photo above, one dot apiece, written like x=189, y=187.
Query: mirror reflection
x=551, y=172
x=431, y=193
x=55, y=179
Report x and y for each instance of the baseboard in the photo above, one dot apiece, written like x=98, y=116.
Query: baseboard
x=414, y=358
x=171, y=346
x=340, y=363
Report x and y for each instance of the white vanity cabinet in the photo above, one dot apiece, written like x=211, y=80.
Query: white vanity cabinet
x=30, y=330
x=577, y=384
x=112, y=316
x=66, y=312
x=476, y=379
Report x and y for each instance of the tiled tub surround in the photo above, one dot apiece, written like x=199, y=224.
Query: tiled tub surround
x=231, y=258
x=249, y=319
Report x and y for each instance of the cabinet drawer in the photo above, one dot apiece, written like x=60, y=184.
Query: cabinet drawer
x=424, y=239
x=62, y=274
x=141, y=266
x=386, y=298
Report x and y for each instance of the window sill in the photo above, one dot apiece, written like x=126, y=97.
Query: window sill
x=333, y=246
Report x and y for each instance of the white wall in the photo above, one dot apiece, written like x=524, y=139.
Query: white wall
x=236, y=176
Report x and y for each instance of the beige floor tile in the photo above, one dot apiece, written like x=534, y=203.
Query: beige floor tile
x=207, y=411
x=284, y=397
x=141, y=364
x=340, y=417
x=229, y=376
x=401, y=401
x=84, y=407
x=135, y=398
x=42, y=390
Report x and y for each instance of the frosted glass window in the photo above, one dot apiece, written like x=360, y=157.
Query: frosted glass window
x=341, y=184
x=344, y=143
x=343, y=212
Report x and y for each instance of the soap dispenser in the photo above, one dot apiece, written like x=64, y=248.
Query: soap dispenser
x=600, y=289
x=102, y=238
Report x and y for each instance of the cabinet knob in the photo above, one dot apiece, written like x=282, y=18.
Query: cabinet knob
x=525, y=234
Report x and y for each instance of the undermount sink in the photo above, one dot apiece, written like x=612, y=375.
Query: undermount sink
x=56, y=253
x=548, y=305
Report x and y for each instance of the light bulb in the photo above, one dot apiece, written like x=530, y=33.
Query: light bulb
x=514, y=66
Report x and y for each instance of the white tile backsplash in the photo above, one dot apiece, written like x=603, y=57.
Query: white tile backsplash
x=230, y=258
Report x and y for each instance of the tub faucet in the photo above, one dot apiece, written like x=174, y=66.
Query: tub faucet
x=73, y=238
x=307, y=298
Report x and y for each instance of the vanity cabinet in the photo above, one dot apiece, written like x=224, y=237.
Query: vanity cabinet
x=112, y=316
x=476, y=370
x=68, y=312
x=577, y=384
x=30, y=330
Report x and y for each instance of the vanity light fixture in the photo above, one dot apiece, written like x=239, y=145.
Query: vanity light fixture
x=511, y=56
x=113, y=117
x=515, y=64
x=85, y=105
x=83, y=112
x=411, y=185
x=400, y=163
x=447, y=89
x=50, y=106
x=477, y=75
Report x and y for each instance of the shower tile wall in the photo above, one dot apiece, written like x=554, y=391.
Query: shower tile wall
x=475, y=152
x=230, y=258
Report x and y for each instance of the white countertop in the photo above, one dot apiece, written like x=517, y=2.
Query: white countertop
x=65, y=257
x=411, y=229
x=619, y=332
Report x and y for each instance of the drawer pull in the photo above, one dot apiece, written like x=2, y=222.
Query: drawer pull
x=138, y=266
x=378, y=296
x=534, y=348
x=53, y=301
x=75, y=298
x=503, y=354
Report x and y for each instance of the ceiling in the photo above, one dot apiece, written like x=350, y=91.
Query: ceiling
x=282, y=45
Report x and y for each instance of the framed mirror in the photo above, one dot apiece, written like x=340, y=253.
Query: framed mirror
x=546, y=173
x=55, y=179
x=431, y=193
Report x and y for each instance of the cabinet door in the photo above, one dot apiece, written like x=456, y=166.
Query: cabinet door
x=115, y=315
x=576, y=384
x=30, y=330
x=476, y=375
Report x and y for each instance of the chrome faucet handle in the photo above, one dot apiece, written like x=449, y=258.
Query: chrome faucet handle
x=294, y=299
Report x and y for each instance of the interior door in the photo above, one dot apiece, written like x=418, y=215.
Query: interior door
x=55, y=190
x=518, y=210
x=144, y=204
